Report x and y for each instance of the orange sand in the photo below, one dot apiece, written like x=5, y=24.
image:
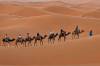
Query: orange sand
x=15, y=19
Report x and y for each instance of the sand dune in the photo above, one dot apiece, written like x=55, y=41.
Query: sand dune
x=33, y=9
x=94, y=14
x=62, y=10
x=91, y=4
x=38, y=4
x=19, y=10
x=49, y=23
x=88, y=6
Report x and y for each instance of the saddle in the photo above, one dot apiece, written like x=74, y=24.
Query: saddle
x=28, y=38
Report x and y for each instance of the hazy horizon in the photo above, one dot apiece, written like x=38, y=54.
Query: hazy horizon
x=68, y=1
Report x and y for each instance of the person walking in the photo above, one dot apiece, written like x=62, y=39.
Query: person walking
x=90, y=33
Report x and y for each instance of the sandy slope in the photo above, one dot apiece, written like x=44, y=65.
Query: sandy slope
x=49, y=23
x=93, y=14
x=83, y=51
x=63, y=10
x=19, y=10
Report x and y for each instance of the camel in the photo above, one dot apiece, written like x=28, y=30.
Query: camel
x=8, y=41
x=51, y=37
x=20, y=41
x=39, y=38
x=63, y=35
x=76, y=34
x=29, y=40
x=24, y=41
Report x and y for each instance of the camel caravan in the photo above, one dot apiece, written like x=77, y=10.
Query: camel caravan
x=27, y=40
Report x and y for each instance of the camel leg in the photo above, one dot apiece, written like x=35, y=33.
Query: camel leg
x=41, y=42
x=77, y=36
x=25, y=44
x=72, y=36
x=9, y=44
x=53, y=40
x=49, y=40
x=20, y=44
x=35, y=42
x=30, y=43
x=64, y=39
x=59, y=39
x=4, y=44
x=16, y=44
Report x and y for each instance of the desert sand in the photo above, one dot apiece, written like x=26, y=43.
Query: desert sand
x=16, y=18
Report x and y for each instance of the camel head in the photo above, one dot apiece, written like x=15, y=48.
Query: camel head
x=82, y=31
x=33, y=37
x=56, y=34
x=45, y=36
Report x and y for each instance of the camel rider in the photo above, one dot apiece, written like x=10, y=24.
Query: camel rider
x=20, y=36
x=90, y=33
x=62, y=31
x=77, y=29
x=38, y=34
